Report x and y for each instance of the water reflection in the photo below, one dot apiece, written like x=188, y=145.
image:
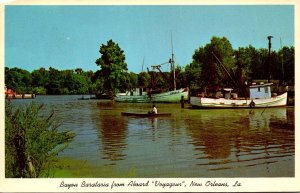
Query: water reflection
x=190, y=143
x=259, y=119
x=154, y=123
x=236, y=139
x=113, y=133
x=210, y=140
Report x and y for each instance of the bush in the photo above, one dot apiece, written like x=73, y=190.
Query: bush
x=32, y=141
x=39, y=90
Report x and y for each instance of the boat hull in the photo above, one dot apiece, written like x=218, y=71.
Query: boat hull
x=202, y=102
x=166, y=97
x=145, y=114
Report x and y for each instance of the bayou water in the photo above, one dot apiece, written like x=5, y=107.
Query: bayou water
x=189, y=143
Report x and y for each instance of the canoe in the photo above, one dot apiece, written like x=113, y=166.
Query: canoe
x=145, y=114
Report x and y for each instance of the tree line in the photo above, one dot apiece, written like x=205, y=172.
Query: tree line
x=215, y=64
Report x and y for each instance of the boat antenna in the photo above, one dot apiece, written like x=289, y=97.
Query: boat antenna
x=172, y=62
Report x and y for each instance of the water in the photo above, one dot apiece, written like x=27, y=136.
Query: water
x=190, y=143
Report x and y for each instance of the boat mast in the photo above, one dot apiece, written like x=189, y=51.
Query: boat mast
x=282, y=60
x=172, y=62
x=143, y=64
x=269, y=58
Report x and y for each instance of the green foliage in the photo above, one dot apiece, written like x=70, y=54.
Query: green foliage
x=18, y=79
x=143, y=79
x=193, y=75
x=50, y=81
x=286, y=65
x=113, y=66
x=213, y=73
x=129, y=82
x=206, y=63
x=258, y=66
x=39, y=90
x=133, y=80
x=32, y=141
x=243, y=64
x=40, y=78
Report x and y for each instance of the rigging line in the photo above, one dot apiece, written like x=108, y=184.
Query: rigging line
x=236, y=84
x=225, y=69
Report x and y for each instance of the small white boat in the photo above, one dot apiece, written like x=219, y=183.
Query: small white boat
x=260, y=97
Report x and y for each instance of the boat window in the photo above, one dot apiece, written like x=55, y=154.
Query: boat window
x=266, y=89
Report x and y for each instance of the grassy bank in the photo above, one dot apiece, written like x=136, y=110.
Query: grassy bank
x=71, y=168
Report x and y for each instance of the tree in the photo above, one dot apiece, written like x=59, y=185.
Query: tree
x=210, y=60
x=112, y=63
x=18, y=79
x=286, y=58
x=40, y=77
x=193, y=75
x=32, y=141
x=143, y=79
x=181, y=81
x=55, y=81
x=258, y=66
x=132, y=81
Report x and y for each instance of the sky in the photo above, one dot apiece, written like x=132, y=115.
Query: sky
x=69, y=37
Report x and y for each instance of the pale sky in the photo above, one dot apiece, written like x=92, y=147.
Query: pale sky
x=69, y=37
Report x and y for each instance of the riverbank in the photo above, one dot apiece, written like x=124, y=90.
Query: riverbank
x=73, y=168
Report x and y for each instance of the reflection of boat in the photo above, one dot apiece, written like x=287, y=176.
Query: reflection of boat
x=260, y=96
x=260, y=119
x=145, y=114
x=165, y=97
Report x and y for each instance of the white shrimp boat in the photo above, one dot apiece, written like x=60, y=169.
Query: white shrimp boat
x=164, y=97
x=260, y=97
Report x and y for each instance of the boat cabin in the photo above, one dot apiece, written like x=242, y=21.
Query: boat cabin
x=260, y=91
x=134, y=92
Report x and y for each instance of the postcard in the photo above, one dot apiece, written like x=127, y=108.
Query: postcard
x=150, y=96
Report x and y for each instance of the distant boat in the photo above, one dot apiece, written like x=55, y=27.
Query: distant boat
x=260, y=97
x=10, y=94
x=83, y=98
x=164, y=97
x=145, y=114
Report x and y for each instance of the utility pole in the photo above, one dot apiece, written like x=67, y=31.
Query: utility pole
x=269, y=58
